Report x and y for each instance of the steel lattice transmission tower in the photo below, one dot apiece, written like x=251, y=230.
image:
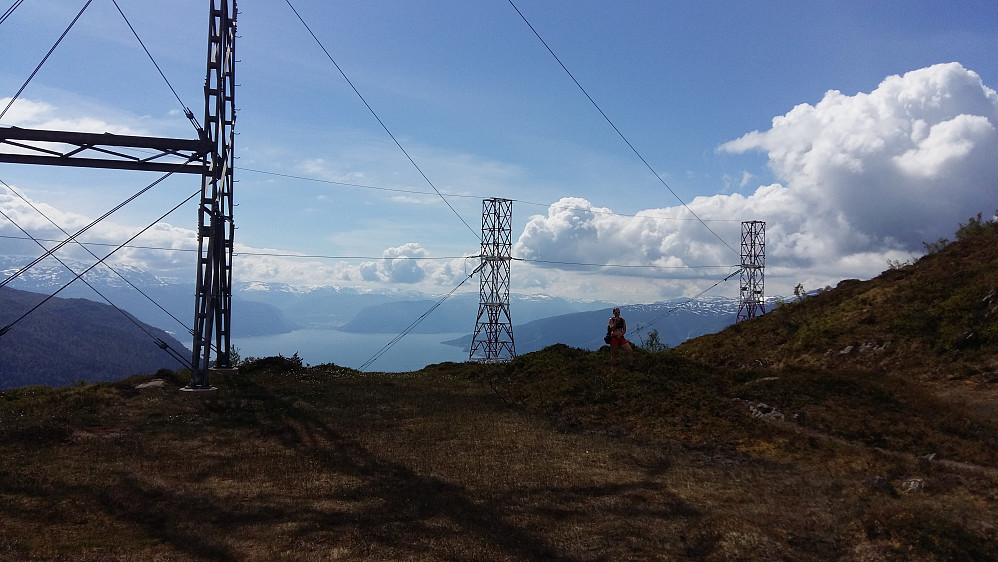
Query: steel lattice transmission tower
x=210, y=156
x=753, y=274
x=212, y=314
x=493, y=338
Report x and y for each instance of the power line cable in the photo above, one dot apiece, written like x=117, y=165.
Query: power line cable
x=625, y=266
x=244, y=253
x=84, y=229
x=187, y=110
x=45, y=58
x=382, y=123
x=375, y=258
x=163, y=345
x=416, y=322
x=131, y=246
x=127, y=316
x=10, y=11
x=417, y=192
x=617, y=130
x=391, y=189
x=648, y=324
x=81, y=245
x=611, y=213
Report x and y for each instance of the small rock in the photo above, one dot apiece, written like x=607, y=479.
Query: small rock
x=155, y=383
x=880, y=484
x=766, y=412
x=913, y=485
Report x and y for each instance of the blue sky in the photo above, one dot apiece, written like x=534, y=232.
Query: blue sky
x=843, y=125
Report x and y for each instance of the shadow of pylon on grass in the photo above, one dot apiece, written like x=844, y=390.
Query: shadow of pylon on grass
x=391, y=504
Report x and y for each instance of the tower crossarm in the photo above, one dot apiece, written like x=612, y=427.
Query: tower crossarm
x=102, y=150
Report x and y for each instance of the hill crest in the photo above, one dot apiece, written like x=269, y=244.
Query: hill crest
x=934, y=319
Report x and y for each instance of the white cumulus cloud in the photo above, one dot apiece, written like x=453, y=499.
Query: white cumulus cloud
x=397, y=265
x=862, y=179
x=900, y=165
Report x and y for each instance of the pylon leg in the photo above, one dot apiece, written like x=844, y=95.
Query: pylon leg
x=216, y=229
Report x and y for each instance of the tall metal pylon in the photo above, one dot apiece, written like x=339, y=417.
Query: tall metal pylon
x=210, y=155
x=212, y=314
x=753, y=274
x=493, y=338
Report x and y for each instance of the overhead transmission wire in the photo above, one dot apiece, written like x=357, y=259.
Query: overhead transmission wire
x=675, y=308
x=85, y=248
x=244, y=253
x=529, y=260
x=416, y=258
x=417, y=321
x=417, y=192
x=615, y=265
x=73, y=237
x=380, y=121
x=615, y=128
x=44, y=59
x=187, y=111
x=10, y=11
x=163, y=345
x=173, y=353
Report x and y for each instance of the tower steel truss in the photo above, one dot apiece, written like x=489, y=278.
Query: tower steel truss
x=212, y=313
x=210, y=155
x=493, y=338
x=753, y=274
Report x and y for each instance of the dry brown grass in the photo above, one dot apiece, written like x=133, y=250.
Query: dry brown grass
x=321, y=463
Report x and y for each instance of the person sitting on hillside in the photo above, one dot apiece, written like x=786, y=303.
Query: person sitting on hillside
x=617, y=327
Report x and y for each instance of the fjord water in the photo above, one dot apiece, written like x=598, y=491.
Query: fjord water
x=348, y=349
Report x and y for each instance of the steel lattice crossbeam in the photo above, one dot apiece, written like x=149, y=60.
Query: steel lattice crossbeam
x=102, y=150
x=493, y=337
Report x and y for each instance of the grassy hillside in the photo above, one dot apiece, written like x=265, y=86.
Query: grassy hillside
x=934, y=320
x=765, y=442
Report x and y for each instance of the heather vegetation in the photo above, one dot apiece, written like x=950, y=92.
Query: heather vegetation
x=859, y=423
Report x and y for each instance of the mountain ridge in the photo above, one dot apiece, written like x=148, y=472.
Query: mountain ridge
x=69, y=340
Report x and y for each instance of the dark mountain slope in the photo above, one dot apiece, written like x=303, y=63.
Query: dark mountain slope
x=67, y=340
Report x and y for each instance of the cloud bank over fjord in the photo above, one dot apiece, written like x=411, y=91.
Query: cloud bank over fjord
x=862, y=179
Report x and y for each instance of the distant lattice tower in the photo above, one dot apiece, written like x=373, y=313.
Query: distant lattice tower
x=753, y=275
x=493, y=339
